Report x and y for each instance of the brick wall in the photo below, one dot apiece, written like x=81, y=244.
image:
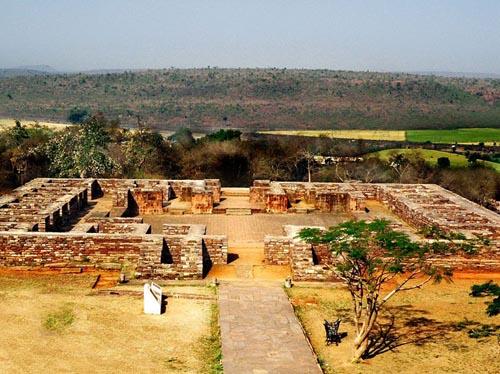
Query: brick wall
x=277, y=250
x=332, y=202
x=308, y=262
x=153, y=256
x=304, y=268
x=148, y=201
x=215, y=249
x=258, y=194
x=276, y=202
x=202, y=202
x=175, y=229
x=315, y=262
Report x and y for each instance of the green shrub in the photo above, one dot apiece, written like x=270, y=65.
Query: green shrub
x=60, y=319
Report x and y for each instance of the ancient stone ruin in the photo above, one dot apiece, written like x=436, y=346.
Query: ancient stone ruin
x=99, y=223
x=36, y=227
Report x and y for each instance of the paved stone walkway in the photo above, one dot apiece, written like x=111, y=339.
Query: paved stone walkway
x=260, y=333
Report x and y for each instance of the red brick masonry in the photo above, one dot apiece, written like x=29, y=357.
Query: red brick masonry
x=34, y=221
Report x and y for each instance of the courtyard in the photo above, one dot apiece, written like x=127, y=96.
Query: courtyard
x=58, y=323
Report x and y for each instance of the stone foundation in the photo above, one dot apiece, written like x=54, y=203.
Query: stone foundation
x=317, y=263
x=308, y=262
x=37, y=224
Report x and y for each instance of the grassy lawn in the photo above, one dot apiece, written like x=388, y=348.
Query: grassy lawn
x=472, y=135
x=431, y=334
x=431, y=157
x=50, y=323
x=396, y=135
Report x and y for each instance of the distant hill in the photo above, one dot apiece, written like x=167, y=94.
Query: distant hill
x=258, y=99
x=29, y=70
x=454, y=74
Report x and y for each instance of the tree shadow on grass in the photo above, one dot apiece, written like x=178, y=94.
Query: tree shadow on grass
x=412, y=327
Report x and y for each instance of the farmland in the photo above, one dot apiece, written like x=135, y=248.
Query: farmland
x=472, y=135
x=450, y=136
x=431, y=156
x=259, y=99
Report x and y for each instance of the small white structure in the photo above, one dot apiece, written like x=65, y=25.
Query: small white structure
x=152, y=298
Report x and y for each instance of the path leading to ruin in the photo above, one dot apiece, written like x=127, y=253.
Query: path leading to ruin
x=260, y=333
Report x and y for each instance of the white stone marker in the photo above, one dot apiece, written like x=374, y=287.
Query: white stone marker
x=152, y=298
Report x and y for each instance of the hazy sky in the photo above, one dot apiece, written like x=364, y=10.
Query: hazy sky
x=394, y=35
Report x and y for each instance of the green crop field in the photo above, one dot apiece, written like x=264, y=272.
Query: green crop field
x=462, y=136
x=469, y=135
x=431, y=157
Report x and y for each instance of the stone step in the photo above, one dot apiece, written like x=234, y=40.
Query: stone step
x=235, y=191
x=239, y=211
x=175, y=211
x=301, y=210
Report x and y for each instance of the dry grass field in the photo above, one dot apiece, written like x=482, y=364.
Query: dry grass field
x=431, y=330
x=395, y=135
x=51, y=324
x=10, y=122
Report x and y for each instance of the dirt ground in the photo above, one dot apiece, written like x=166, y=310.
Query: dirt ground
x=431, y=334
x=4, y=190
x=100, y=333
x=247, y=261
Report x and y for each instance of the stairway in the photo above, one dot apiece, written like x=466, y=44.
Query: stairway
x=238, y=211
x=236, y=201
x=175, y=211
x=235, y=191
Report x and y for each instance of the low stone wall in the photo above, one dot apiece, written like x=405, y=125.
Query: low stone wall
x=304, y=268
x=316, y=262
x=481, y=263
x=308, y=262
x=202, y=202
x=175, y=229
x=277, y=250
x=128, y=220
x=214, y=186
x=325, y=197
x=215, y=249
x=183, y=254
x=152, y=256
x=276, y=202
x=332, y=202
x=147, y=201
x=258, y=194
x=43, y=249
x=149, y=196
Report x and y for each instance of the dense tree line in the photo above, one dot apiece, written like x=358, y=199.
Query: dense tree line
x=100, y=148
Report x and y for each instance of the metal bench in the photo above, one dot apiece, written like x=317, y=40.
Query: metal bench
x=332, y=332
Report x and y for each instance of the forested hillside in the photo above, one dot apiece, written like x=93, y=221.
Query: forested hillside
x=258, y=99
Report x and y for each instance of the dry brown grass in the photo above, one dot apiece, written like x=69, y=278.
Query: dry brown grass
x=6, y=123
x=428, y=320
x=395, y=135
x=95, y=333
